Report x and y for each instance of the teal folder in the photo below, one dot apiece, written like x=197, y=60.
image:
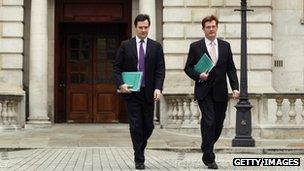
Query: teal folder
x=205, y=64
x=133, y=79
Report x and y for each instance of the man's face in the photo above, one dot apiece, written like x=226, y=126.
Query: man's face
x=210, y=30
x=142, y=29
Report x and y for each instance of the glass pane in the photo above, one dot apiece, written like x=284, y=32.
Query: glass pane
x=111, y=42
x=84, y=55
x=82, y=78
x=105, y=72
x=101, y=48
x=106, y=51
x=74, y=55
x=111, y=48
x=75, y=43
x=110, y=76
x=85, y=44
x=111, y=55
x=100, y=71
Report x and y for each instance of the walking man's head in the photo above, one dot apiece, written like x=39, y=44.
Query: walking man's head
x=210, y=26
x=142, y=25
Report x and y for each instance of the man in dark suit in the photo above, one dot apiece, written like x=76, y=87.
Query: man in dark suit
x=141, y=54
x=211, y=88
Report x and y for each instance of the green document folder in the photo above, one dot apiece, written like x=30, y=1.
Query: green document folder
x=204, y=64
x=133, y=79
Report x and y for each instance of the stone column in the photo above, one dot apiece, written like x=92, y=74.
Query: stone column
x=148, y=7
x=302, y=20
x=38, y=78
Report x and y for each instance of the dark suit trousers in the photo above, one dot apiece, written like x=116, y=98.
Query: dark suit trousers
x=140, y=114
x=213, y=115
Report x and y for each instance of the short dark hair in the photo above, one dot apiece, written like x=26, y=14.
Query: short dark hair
x=141, y=17
x=209, y=19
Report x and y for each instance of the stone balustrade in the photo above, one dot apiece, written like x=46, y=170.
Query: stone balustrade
x=292, y=114
x=9, y=107
x=270, y=112
x=182, y=111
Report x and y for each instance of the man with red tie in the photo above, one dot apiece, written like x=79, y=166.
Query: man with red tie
x=141, y=54
x=210, y=88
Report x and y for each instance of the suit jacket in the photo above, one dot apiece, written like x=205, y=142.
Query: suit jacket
x=216, y=81
x=127, y=60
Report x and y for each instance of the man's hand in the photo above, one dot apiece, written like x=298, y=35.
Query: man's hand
x=203, y=76
x=124, y=88
x=235, y=94
x=157, y=94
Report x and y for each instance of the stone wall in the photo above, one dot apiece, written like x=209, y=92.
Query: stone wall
x=288, y=45
x=11, y=42
x=182, y=25
x=12, y=105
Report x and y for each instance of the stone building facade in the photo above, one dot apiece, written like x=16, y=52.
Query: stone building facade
x=34, y=32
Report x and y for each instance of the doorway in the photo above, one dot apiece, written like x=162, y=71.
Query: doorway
x=87, y=36
x=89, y=51
x=90, y=85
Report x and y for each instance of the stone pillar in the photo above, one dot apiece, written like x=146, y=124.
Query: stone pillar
x=148, y=7
x=38, y=78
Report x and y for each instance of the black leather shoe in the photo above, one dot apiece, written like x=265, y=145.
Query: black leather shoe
x=212, y=165
x=140, y=166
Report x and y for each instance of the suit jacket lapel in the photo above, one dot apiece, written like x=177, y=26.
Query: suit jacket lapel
x=204, y=48
x=134, y=49
x=220, y=47
x=148, y=48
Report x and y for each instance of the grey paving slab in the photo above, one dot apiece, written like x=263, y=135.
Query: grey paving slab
x=127, y=159
x=111, y=158
x=105, y=163
x=79, y=165
x=73, y=160
x=88, y=161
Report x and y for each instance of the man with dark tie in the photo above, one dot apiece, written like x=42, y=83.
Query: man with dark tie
x=211, y=88
x=141, y=54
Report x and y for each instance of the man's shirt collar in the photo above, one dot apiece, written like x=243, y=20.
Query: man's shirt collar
x=207, y=41
x=138, y=40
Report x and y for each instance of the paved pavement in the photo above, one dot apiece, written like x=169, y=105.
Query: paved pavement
x=119, y=158
x=108, y=147
x=117, y=135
